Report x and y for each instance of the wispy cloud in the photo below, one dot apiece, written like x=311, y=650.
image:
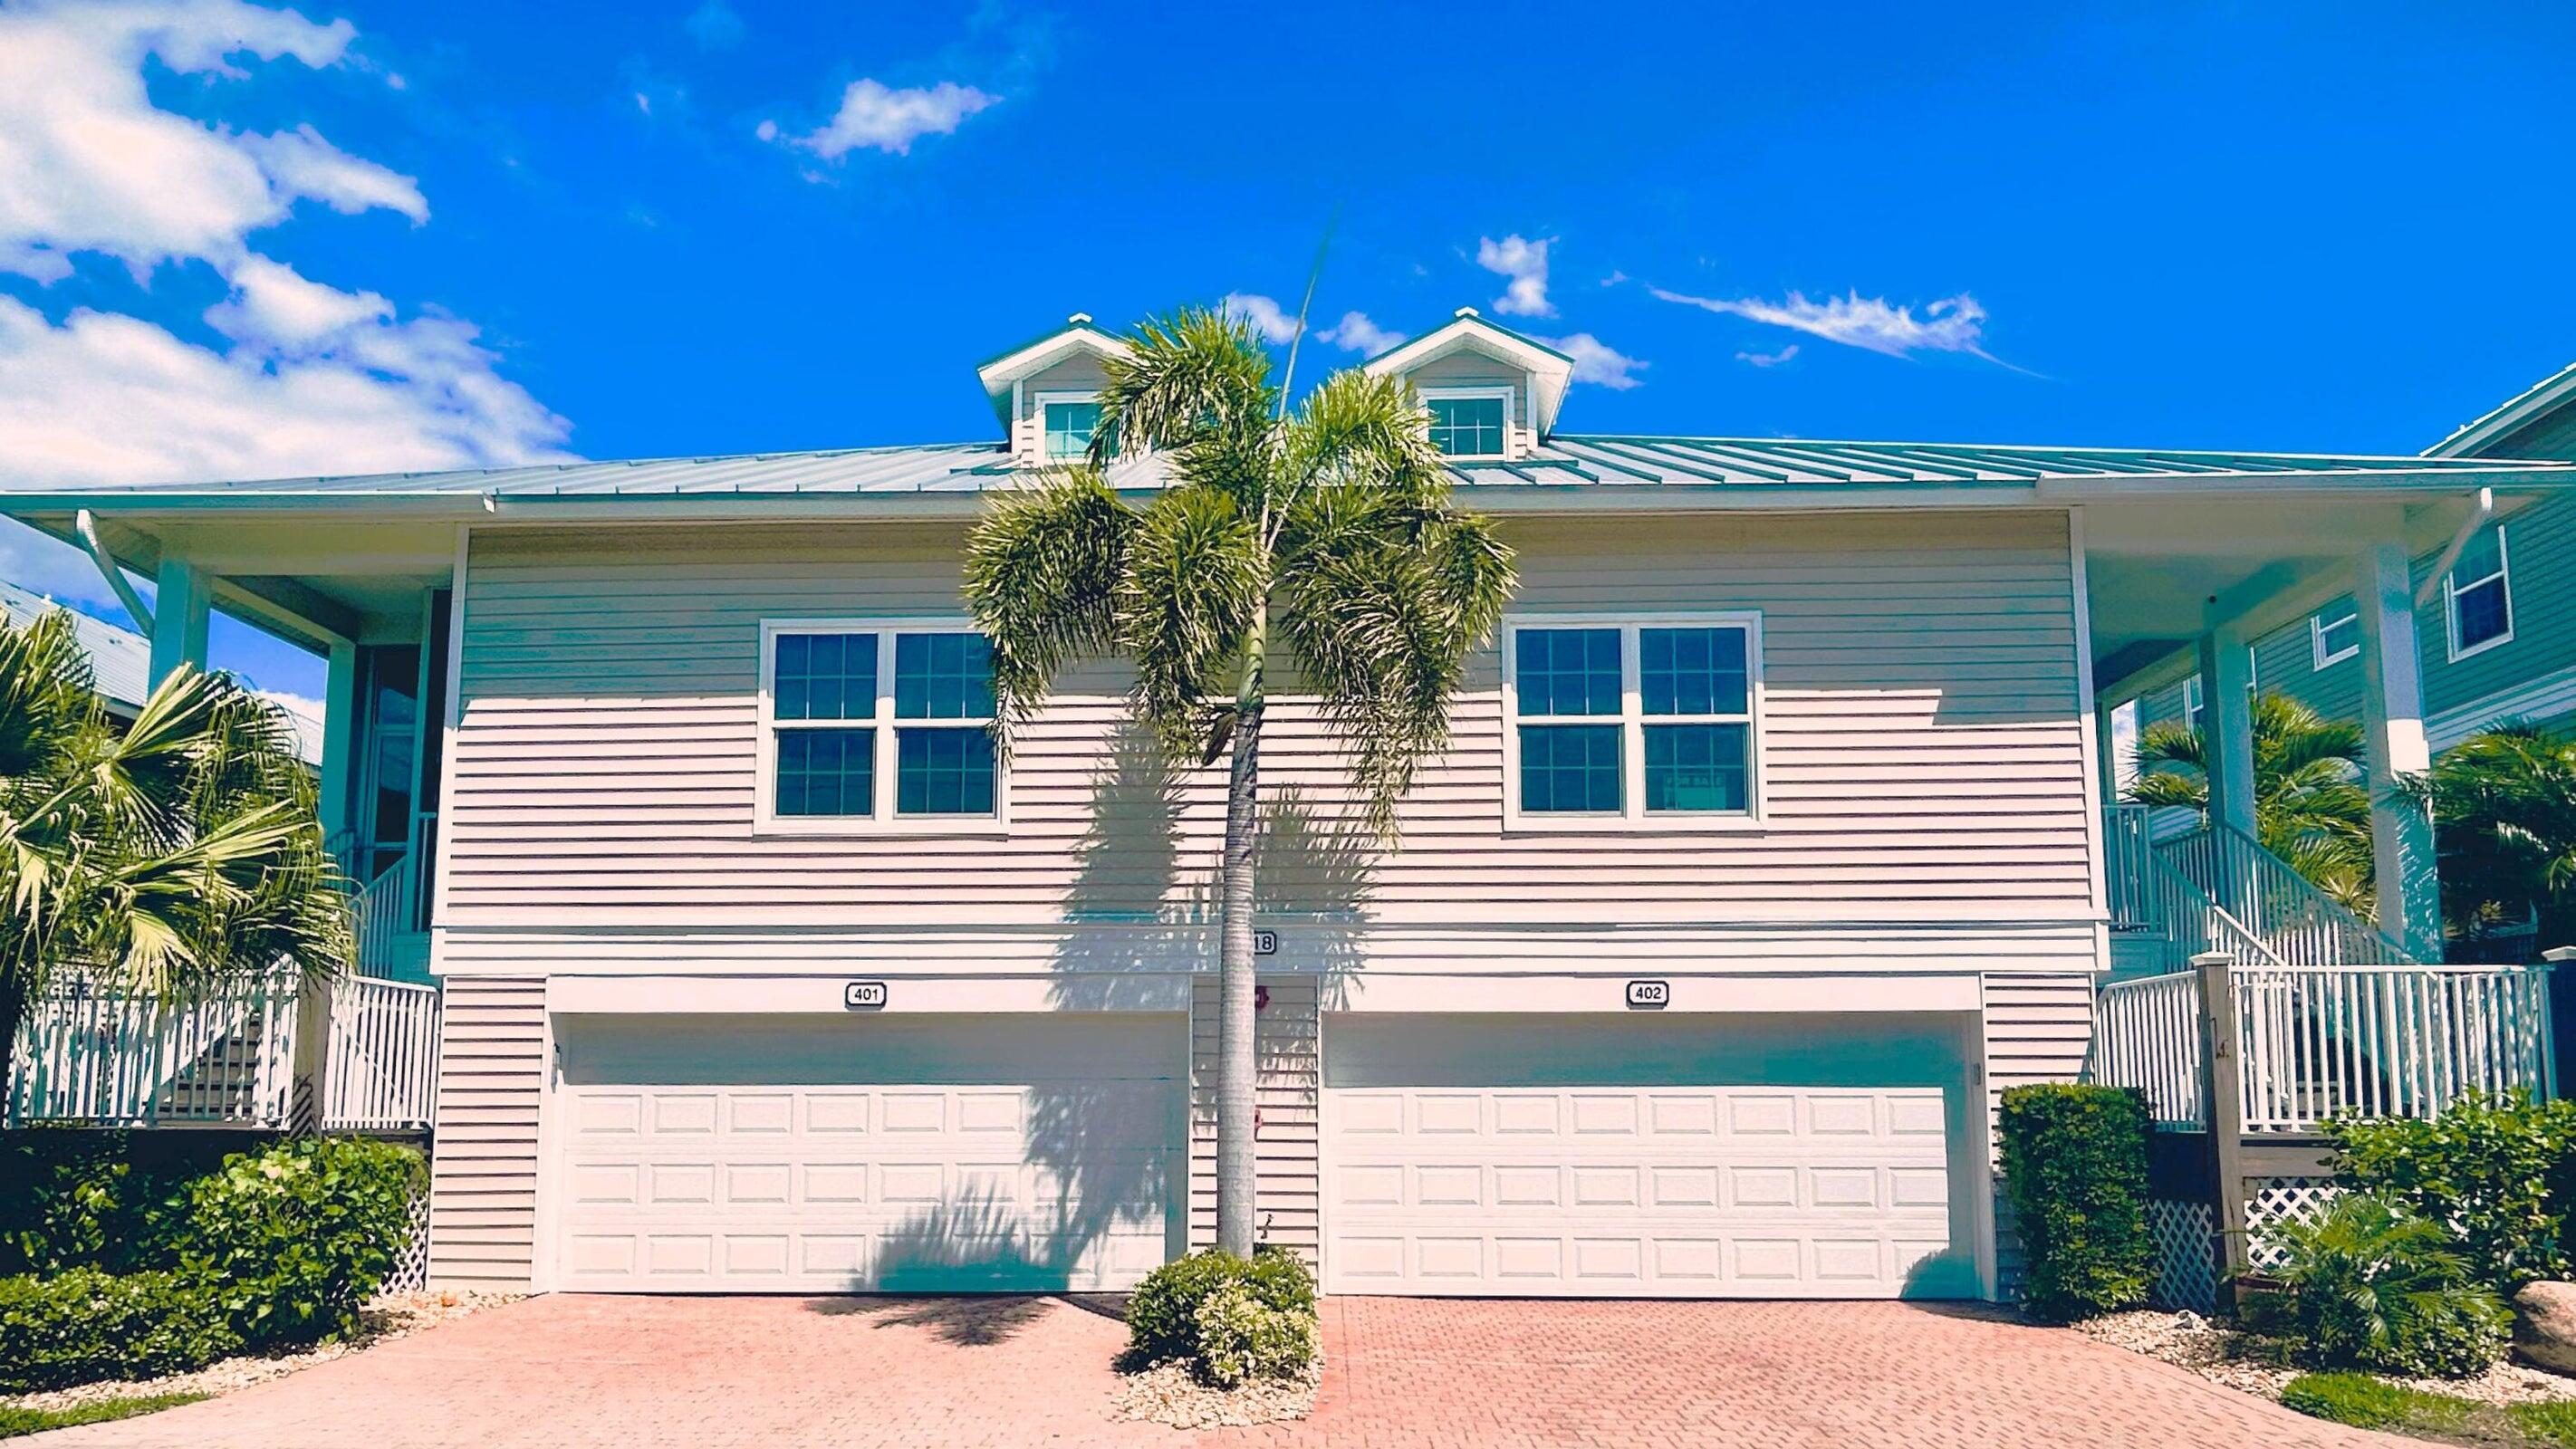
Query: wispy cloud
x=1597, y=361
x=1358, y=334
x=1278, y=326
x=876, y=116
x=1768, y=359
x=1267, y=317
x=1952, y=324
x=1525, y=263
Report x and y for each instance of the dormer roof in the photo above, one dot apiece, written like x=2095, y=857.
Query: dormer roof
x=1548, y=370
x=1078, y=336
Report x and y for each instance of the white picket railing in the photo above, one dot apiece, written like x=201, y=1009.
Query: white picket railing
x=2128, y=854
x=380, y=1070
x=2146, y=1034
x=2386, y=1041
x=114, y=1059
x=2298, y=923
x=384, y=918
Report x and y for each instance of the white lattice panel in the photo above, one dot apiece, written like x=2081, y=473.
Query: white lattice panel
x=2185, y=1274
x=411, y=1266
x=2272, y=1201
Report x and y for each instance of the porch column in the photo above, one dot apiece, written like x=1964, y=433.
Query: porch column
x=2392, y=734
x=183, y=598
x=2226, y=697
x=339, y=735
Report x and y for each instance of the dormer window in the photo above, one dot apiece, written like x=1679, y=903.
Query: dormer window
x=1069, y=421
x=1469, y=424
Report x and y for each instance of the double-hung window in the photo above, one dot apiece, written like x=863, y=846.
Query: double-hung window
x=1068, y=421
x=876, y=724
x=2479, y=591
x=1633, y=721
x=2334, y=635
x=1469, y=424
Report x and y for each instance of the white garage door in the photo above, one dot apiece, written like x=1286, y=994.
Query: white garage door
x=887, y=1153
x=1780, y=1157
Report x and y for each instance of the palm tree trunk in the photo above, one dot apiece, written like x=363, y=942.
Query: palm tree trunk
x=1235, y=1062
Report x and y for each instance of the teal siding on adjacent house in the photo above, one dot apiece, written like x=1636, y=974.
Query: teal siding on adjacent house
x=2285, y=662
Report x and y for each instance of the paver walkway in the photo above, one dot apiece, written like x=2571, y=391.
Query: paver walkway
x=562, y=1371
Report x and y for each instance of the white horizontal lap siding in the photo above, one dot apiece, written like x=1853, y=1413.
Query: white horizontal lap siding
x=1286, y=1040
x=2039, y=1028
x=1922, y=746
x=483, y=1178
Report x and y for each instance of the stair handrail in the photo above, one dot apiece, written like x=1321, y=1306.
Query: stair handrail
x=2301, y=924
x=383, y=910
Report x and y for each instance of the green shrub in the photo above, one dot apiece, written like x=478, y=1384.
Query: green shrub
x=2370, y=1286
x=292, y=1239
x=2075, y=1168
x=1241, y=1337
x=2368, y=1403
x=2500, y=1172
x=1164, y=1313
x=85, y=1324
x=80, y=1197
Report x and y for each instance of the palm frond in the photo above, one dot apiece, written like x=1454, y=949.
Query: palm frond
x=1042, y=575
x=1187, y=607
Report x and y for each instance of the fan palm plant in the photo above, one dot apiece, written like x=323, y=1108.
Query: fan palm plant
x=2310, y=806
x=2504, y=817
x=162, y=861
x=1320, y=539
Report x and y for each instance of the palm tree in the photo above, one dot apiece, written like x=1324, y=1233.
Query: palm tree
x=2504, y=817
x=2310, y=806
x=1324, y=535
x=163, y=861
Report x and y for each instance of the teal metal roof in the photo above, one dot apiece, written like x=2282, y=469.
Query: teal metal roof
x=1566, y=460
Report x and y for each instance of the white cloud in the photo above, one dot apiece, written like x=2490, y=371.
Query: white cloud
x=1358, y=334
x=714, y=26
x=1598, y=361
x=1952, y=324
x=877, y=116
x=1276, y=326
x=1769, y=359
x=1525, y=262
x=310, y=378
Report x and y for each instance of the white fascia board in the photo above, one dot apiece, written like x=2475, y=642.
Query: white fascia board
x=1549, y=372
x=998, y=374
x=2544, y=397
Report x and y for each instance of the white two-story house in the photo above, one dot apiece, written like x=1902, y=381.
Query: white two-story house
x=1770, y=847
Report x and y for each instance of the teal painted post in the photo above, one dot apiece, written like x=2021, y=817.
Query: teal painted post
x=183, y=598
x=339, y=736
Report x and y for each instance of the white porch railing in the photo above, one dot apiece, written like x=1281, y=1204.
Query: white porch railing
x=2146, y=1034
x=2128, y=852
x=2298, y=923
x=112, y=1059
x=380, y=1068
x=2386, y=1041
x=384, y=918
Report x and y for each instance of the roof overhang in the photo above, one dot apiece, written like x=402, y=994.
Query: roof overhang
x=1549, y=370
x=2511, y=416
x=1078, y=336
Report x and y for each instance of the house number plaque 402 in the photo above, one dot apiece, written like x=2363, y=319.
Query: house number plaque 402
x=1649, y=995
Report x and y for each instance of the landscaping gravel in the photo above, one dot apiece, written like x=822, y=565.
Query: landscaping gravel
x=2225, y=1356
x=1168, y=1393
x=389, y=1317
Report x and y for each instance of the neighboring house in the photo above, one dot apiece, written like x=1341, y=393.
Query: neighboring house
x=120, y=660
x=1768, y=848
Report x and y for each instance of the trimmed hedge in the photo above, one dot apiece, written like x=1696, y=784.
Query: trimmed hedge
x=294, y=1239
x=86, y=1324
x=1263, y=1324
x=2075, y=1169
x=81, y=1197
x=2498, y=1171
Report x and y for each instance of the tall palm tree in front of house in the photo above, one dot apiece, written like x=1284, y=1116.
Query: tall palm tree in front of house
x=2310, y=806
x=162, y=861
x=2504, y=823
x=1319, y=540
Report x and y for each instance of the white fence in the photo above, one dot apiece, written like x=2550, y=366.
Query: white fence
x=2147, y=1035
x=2298, y=924
x=112, y=1059
x=2386, y=1041
x=2128, y=853
x=380, y=1073
x=383, y=912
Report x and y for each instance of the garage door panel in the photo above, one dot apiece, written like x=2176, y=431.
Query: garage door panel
x=1041, y=1177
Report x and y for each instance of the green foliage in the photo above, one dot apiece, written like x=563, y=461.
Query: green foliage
x=2310, y=808
x=2504, y=817
x=1243, y=1338
x=16, y=1421
x=2075, y=1168
x=2553, y=1422
x=1165, y=1315
x=2372, y=1287
x=2499, y=1171
x=292, y=1240
x=82, y=1325
x=2368, y=1403
x=83, y=1198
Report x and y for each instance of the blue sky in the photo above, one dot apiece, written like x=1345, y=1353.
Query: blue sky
x=380, y=235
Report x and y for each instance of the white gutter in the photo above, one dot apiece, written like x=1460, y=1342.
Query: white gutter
x=2479, y=512
x=87, y=527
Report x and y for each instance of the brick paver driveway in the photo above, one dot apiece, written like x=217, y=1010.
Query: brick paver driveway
x=633, y=1372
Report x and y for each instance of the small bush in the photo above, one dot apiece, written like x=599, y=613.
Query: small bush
x=1242, y=1338
x=2075, y=1168
x=85, y=1324
x=2498, y=1171
x=2368, y=1403
x=1163, y=1312
x=291, y=1240
x=2373, y=1287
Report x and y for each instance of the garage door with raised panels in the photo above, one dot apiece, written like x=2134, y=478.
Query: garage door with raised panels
x=884, y=1153
x=1679, y=1156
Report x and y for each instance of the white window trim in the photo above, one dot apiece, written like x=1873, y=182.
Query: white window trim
x=1511, y=416
x=765, y=817
x=2451, y=602
x=1631, y=719
x=1038, y=407
x=2318, y=658
x=2192, y=703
